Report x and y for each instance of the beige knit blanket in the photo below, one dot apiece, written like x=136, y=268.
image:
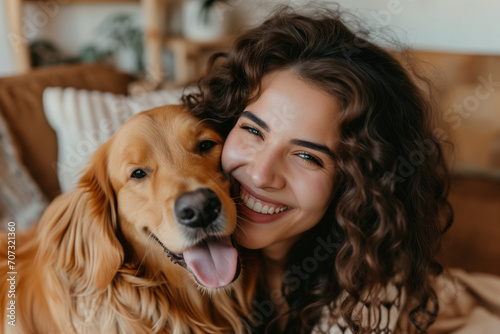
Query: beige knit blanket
x=469, y=303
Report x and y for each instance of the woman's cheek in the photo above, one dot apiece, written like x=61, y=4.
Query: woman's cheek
x=232, y=153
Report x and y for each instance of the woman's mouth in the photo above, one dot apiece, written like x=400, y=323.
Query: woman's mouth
x=259, y=206
x=257, y=210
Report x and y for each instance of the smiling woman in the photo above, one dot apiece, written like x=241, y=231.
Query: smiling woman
x=317, y=120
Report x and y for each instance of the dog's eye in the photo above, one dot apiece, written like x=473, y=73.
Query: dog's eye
x=206, y=145
x=138, y=174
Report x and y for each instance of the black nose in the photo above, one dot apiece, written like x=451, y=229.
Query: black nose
x=198, y=208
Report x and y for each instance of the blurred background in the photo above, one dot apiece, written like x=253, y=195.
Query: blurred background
x=461, y=26
x=136, y=47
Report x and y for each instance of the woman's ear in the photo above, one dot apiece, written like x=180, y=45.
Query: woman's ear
x=79, y=229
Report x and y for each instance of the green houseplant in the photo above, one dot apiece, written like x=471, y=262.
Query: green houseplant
x=202, y=21
x=117, y=34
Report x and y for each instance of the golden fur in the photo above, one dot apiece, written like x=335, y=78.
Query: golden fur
x=91, y=264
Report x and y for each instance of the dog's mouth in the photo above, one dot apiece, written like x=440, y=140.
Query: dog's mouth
x=213, y=262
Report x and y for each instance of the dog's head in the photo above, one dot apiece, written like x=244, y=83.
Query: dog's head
x=164, y=167
x=156, y=188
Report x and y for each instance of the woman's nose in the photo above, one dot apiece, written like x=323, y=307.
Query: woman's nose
x=265, y=170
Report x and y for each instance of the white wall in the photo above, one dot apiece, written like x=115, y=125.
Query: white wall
x=468, y=26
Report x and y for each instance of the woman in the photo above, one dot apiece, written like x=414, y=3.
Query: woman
x=319, y=124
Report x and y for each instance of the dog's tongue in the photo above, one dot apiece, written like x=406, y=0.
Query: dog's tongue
x=213, y=261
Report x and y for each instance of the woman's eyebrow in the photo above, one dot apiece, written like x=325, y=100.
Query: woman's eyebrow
x=313, y=146
x=254, y=118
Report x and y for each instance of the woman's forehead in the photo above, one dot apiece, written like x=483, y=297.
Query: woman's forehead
x=288, y=103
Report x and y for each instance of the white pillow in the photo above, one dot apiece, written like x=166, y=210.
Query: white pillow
x=83, y=120
x=21, y=200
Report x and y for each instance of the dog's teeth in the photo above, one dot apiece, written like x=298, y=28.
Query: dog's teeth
x=257, y=207
x=265, y=209
x=270, y=211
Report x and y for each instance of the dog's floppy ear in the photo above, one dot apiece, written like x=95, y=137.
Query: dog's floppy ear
x=79, y=229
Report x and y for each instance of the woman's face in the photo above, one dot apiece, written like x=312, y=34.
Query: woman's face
x=280, y=155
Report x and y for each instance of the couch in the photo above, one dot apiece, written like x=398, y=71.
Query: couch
x=22, y=108
x=471, y=244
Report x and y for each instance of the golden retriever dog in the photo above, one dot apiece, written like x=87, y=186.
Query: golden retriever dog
x=141, y=246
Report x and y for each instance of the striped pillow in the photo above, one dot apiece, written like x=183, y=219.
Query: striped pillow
x=83, y=120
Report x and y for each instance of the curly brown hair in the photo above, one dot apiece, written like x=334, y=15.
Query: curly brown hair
x=390, y=208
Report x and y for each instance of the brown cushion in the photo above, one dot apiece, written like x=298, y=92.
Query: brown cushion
x=472, y=241
x=22, y=108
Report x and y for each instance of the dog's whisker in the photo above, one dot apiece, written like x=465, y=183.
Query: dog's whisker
x=239, y=232
x=240, y=217
x=149, y=242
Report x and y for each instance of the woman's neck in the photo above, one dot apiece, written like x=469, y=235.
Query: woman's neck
x=277, y=253
x=275, y=258
x=274, y=269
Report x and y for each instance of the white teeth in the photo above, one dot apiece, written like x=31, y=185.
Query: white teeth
x=250, y=202
x=258, y=206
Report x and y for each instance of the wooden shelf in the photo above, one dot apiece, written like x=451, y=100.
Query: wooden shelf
x=188, y=53
x=20, y=45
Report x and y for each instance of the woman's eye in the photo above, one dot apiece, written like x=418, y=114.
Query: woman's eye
x=310, y=159
x=138, y=174
x=206, y=145
x=251, y=130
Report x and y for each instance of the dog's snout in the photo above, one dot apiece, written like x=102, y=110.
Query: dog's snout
x=198, y=208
